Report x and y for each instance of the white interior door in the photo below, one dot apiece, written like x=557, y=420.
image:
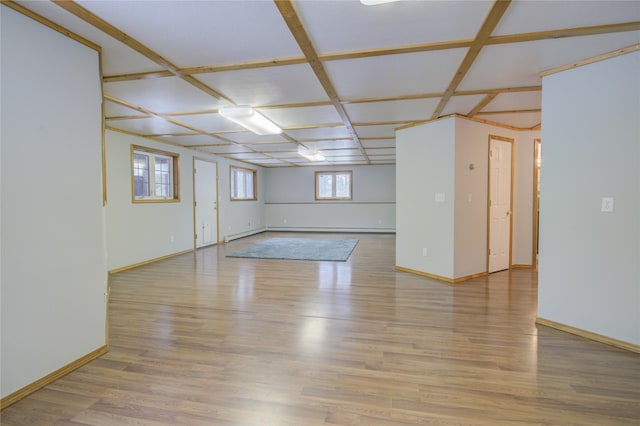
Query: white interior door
x=499, y=205
x=205, y=189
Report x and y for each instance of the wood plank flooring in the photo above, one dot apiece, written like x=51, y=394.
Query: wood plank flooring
x=202, y=339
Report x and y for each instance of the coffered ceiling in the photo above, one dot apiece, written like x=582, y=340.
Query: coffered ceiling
x=337, y=76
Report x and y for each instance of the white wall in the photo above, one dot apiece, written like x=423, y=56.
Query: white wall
x=455, y=232
x=589, y=260
x=144, y=231
x=53, y=260
x=425, y=157
x=290, y=200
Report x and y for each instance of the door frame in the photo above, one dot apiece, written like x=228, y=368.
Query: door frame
x=193, y=199
x=511, y=141
x=537, y=163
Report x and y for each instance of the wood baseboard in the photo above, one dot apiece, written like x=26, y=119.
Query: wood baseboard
x=439, y=277
x=146, y=262
x=589, y=335
x=52, y=377
x=523, y=266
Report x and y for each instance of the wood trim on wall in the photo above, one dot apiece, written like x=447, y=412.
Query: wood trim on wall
x=440, y=277
x=147, y=262
x=589, y=335
x=51, y=377
x=593, y=59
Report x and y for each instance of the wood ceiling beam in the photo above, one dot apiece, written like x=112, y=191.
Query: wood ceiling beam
x=491, y=21
x=107, y=28
x=563, y=33
x=483, y=103
x=298, y=32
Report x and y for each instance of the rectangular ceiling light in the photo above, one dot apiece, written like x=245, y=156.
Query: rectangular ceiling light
x=310, y=154
x=250, y=119
x=375, y=2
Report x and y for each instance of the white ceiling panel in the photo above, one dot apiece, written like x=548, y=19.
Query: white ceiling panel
x=360, y=48
x=276, y=147
x=252, y=138
x=519, y=64
x=533, y=16
x=519, y=120
x=209, y=122
x=382, y=157
x=147, y=126
x=268, y=86
x=380, y=131
x=162, y=95
x=191, y=33
x=195, y=139
x=248, y=156
x=398, y=75
x=112, y=109
x=304, y=116
x=515, y=101
x=334, y=132
x=378, y=143
x=227, y=149
x=343, y=143
x=117, y=58
x=462, y=104
x=381, y=151
x=339, y=152
x=405, y=110
x=349, y=25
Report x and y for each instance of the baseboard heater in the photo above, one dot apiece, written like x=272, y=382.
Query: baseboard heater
x=231, y=237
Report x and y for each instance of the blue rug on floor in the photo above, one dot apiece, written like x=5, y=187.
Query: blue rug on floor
x=337, y=250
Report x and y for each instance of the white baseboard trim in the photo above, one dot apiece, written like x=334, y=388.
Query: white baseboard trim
x=231, y=237
x=345, y=230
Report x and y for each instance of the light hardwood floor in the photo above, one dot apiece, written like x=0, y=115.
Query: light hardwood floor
x=201, y=339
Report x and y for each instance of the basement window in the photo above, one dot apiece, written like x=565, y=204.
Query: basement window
x=334, y=185
x=244, y=184
x=154, y=175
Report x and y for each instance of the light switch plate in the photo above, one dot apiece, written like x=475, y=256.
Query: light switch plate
x=607, y=204
x=439, y=197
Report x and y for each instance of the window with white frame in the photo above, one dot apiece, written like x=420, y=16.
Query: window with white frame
x=154, y=175
x=244, y=184
x=334, y=185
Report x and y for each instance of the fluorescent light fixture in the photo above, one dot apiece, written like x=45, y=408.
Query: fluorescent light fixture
x=375, y=2
x=250, y=119
x=310, y=154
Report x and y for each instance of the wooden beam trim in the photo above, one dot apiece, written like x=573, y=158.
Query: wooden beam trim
x=491, y=21
x=563, y=33
x=592, y=60
x=513, y=111
x=483, y=103
x=44, y=21
x=129, y=41
x=292, y=20
x=414, y=48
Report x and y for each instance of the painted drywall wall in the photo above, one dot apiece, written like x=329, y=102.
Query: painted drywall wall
x=53, y=260
x=589, y=260
x=465, y=232
x=291, y=205
x=424, y=170
x=141, y=232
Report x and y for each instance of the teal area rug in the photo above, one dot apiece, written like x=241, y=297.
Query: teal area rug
x=336, y=250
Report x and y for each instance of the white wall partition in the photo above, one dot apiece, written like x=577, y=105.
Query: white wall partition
x=53, y=261
x=291, y=205
x=139, y=232
x=442, y=197
x=425, y=197
x=589, y=259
